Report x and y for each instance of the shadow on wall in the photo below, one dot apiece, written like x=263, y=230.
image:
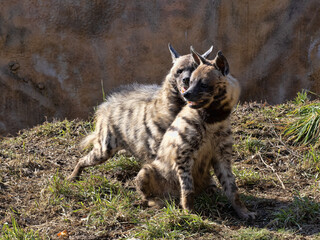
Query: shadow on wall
x=54, y=55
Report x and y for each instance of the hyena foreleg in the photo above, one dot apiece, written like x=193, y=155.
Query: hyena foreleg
x=184, y=172
x=223, y=171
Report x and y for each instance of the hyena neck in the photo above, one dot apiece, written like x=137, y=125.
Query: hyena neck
x=216, y=112
x=169, y=96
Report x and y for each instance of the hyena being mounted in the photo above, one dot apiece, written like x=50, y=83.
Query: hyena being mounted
x=135, y=117
x=199, y=138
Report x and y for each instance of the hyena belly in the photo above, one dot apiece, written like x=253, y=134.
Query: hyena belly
x=133, y=125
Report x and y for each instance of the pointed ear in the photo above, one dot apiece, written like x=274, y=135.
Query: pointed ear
x=207, y=53
x=221, y=63
x=174, y=53
x=197, y=58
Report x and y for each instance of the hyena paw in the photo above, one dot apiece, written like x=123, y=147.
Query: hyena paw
x=187, y=202
x=156, y=203
x=246, y=215
x=211, y=189
x=75, y=174
x=72, y=178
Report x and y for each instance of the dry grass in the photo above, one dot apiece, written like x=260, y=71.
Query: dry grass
x=277, y=179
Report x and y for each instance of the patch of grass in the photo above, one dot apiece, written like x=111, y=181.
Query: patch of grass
x=174, y=223
x=253, y=234
x=253, y=145
x=60, y=129
x=273, y=112
x=249, y=145
x=206, y=204
x=16, y=232
x=103, y=204
x=99, y=202
x=93, y=189
x=305, y=127
x=96, y=200
x=302, y=210
x=247, y=176
x=301, y=98
x=123, y=163
x=8, y=154
x=311, y=162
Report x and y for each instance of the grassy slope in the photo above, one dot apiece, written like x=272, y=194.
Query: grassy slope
x=279, y=180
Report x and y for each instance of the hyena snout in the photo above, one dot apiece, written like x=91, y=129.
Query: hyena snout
x=191, y=95
x=184, y=84
x=187, y=95
x=186, y=81
x=196, y=99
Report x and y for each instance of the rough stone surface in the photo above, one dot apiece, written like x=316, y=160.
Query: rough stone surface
x=57, y=56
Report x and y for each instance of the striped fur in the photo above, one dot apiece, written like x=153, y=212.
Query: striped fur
x=199, y=138
x=136, y=116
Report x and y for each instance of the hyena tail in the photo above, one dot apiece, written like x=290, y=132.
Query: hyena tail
x=88, y=140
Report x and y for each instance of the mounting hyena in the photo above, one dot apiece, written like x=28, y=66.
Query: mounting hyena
x=136, y=116
x=199, y=138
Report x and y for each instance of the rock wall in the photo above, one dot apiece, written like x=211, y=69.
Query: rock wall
x=58, y=56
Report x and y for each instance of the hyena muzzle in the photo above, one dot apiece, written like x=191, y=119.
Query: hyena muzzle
x=136, y=116
x=199, y=139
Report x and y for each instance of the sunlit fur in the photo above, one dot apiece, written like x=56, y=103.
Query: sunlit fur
x=136, y=116
x=198, y=140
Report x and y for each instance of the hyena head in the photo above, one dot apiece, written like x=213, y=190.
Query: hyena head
x=211, y=83
x=182, y=67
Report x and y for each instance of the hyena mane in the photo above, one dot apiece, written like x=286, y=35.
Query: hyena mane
x=136, y=116
x=199, y=139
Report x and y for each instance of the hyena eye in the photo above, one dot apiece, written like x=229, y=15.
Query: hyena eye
x=179, y=71
x=203, y=85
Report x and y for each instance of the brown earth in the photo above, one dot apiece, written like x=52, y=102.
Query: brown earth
x=271, y=174
x=55, y=55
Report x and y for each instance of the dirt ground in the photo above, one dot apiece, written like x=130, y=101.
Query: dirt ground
x=278, y=180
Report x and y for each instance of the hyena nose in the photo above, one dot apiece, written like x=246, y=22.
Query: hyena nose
x=186, y=81
x=186, y=95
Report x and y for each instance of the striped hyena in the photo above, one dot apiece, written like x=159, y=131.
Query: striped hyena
x=136, y=116
x=199, y=138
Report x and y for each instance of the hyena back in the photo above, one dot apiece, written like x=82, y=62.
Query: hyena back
x=198, y=139
x=136, y=116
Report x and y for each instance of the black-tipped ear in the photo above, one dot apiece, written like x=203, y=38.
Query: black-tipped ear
x=198, y=59
x=174, y=53
x=207, y=53
x=221, y=63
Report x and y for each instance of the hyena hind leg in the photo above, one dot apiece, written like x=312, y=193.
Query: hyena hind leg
x=222, y=168
x=98, y=155
x=153, y=186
